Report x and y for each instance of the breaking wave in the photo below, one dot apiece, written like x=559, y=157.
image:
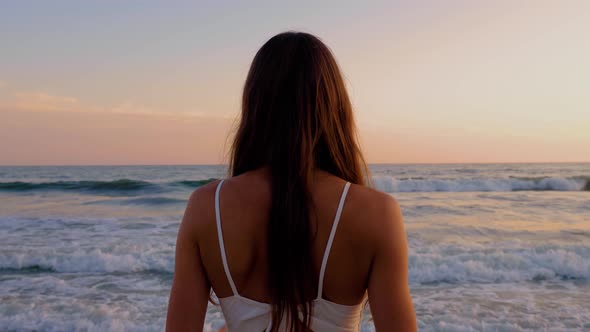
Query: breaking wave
x=448, y=264
x=122, y=185
x=384, y=183
x=390, y=184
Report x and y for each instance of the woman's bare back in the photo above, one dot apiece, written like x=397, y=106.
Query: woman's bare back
x=244, y=206
x=368, y=252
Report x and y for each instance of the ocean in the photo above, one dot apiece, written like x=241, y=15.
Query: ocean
x=492, y=247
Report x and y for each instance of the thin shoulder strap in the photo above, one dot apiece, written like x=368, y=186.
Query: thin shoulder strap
x=331, y=239
x=221, y=243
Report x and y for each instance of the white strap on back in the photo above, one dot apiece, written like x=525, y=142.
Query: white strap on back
x=331, y=239
x=221, y=243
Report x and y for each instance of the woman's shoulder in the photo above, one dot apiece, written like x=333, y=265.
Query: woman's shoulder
x=203, y=195
x=236, y=193
x=199, y=215
x=368, y=203
x=373, y=213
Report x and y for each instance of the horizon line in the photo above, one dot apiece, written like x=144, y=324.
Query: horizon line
x=369, y=164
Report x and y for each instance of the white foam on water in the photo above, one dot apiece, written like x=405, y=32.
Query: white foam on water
x=390, y=184
x=437, y=263
x=496, y=261
x=531, y=306
x=82, y=302
x=456, y=264
x=92, y=261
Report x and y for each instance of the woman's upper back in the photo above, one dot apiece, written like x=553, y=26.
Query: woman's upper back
x=245, y=314
x=369, y=222
x=244, y=204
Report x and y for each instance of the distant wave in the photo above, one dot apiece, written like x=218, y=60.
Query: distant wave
x=194, y=183
x=384, y=183
x=141, y=200
x=154, y=201
x=122, y=185
x=27, y=269
x=390, y=184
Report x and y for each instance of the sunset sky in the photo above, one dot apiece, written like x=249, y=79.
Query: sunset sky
x=158, y=82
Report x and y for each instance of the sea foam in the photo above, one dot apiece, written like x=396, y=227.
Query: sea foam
x=449, y=263
x=391, y=184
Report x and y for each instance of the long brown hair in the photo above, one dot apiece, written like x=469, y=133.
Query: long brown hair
x=296, y=117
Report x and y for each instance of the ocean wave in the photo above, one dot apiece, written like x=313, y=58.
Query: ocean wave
x=123, y=185
x=92, y=261
x=383, y=183
x=120, y=185
x=448, y=264
x=390, y=184
x=194, y=183
x=27, y=269
x=453, y=264
x=153, y=201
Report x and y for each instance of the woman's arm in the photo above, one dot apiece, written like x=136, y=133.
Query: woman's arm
x=389, y=293
x=190, y=288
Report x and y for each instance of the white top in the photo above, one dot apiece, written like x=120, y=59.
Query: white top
x=244, y=314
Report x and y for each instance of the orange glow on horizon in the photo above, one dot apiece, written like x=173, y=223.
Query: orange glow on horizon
x=460, y=82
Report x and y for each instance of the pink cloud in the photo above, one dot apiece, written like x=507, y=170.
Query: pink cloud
x=39, y=101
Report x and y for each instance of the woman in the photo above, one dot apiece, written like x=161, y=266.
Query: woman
x=294, y=240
